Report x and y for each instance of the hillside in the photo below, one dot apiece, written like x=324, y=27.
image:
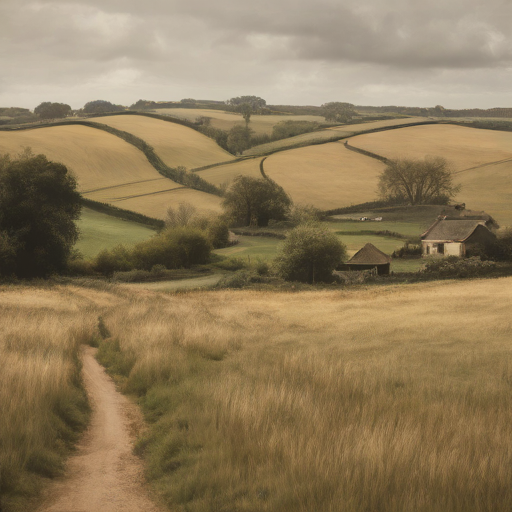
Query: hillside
x=175, y=144
x=226, y=120
x=224, y=174
x=326, y=176
x=107, y=168
x=481, y=160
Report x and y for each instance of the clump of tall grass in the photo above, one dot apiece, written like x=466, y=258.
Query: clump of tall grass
x=42, y=402
x=324, y=400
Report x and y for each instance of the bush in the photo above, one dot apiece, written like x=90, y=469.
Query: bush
x=452, y=266
x=310, y=254
x=407, y=251
x=117, y=259
x=218, y=234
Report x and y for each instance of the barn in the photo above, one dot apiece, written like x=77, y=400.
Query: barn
x=454, y=237
x=369, y=257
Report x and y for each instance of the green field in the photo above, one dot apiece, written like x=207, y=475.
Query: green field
x=100, y=231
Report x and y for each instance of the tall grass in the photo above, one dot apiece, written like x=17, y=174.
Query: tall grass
x=394, y=399
x=43, y=406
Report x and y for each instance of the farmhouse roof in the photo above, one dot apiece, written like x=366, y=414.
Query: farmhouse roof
x=369, y=255
x=453, y=230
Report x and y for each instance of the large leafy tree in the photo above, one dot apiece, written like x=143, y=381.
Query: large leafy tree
x=310, y=254
x=39, y=205
x=338, y=112
x=239, y=139
x=253, y=201
x=48, y=110
x=418, y=181
x=101, y=107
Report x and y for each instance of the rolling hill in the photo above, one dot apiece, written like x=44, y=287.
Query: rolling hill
x=175, y=144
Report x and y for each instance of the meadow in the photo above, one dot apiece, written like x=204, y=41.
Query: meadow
x=363, y=399
x=43, y=404
x=175, y=144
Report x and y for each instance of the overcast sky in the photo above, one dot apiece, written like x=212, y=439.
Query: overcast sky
x=457, y=53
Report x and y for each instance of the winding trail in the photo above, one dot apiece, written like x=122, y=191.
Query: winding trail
x=104, y=475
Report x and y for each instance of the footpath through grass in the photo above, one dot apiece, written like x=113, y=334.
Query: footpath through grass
x=363, y=399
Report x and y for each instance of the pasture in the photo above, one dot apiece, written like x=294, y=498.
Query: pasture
x=175, y=144
x=327, y=176
x=226, y=120
x=100, y=231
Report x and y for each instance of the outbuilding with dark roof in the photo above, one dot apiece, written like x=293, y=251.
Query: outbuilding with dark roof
x=369, y=257
x=453, y=237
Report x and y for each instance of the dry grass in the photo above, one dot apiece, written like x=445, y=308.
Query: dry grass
x=175, y=144
x=226, y=120
x=43, y=407
x=326, y=176
x=463, y=147
x=388, y=399
x=97, y=159
x=225, y=174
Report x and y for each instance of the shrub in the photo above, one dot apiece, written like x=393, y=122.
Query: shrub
x=452, y=266
x=218, y=234
x=117, y=259
x=310, y=254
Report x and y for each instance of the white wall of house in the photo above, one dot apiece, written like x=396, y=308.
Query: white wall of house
x=443, y=249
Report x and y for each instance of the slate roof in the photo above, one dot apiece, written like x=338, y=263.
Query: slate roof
x=453, y=230
x=369, y=255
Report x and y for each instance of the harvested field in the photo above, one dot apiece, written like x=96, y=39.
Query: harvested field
x=97, y=159
x=226, y=120
x=156, y=204
x=175, y=144
x=222, y=174
x=326, y=176
x=488, y=188
x=329, y=134
x=463, y=147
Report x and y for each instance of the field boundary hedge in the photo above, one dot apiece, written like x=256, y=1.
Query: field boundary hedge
x=121, y=213
x=179, y=175
x=366, y=153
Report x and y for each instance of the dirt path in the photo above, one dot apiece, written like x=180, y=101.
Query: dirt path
x=104, y=475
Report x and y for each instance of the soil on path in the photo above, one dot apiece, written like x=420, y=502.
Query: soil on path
x=104, y=475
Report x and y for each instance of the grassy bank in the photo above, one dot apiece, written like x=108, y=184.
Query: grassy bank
x=43, y=405
x=368, y=399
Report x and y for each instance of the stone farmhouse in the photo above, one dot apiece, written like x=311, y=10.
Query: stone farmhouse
x=455, y=236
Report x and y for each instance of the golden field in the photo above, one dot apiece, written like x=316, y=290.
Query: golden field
x=96, y=158
x=225, y=174
x=463, y=147
x=488, y=188
x=175, y=144
x=329, y=134
x=327, y=176
x=226, y=120
x=391, y=398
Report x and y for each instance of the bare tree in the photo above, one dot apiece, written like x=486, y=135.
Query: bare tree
x=180, y=216
x=418, y=181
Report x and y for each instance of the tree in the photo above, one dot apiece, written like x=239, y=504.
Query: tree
x=418, y=181
x=338, y=112
x=39, y=205
x=255, y=102
x=239, y=139
x=253, y=201
x=48, y=110
x=101, y=107
x=309, y=254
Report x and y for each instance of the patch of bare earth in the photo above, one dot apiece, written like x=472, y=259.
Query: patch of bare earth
x=103, y=475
